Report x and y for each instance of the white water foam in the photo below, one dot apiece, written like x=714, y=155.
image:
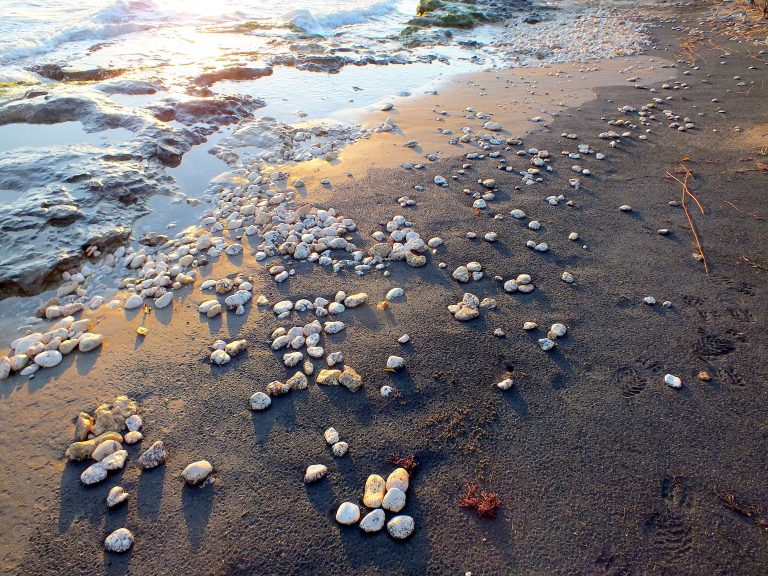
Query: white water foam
x=36, y=28
x=356, y=13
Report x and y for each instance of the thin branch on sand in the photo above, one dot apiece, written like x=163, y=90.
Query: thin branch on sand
x=685, y=194
x=750, y=214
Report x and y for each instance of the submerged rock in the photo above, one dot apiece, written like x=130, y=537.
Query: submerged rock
x=232, y=73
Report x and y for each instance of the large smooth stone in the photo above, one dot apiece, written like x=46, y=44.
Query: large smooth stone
x=394, y=501
x=119, y=541
x=399, y=478
x=89, y=341
x=315, y=472
x=373, y=521
x=48, y=359
x=197, y=472
x=105, y=449
x=400, y=527
x=348, y=513
x=374, y=491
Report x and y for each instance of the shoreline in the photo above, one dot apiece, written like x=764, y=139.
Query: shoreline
x=534, y=92
x=589, y=440
x=582, y=79
x=178, y=115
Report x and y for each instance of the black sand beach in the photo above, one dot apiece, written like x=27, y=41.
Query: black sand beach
x=601, y=468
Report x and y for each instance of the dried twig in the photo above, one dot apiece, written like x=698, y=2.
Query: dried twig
x=750, y=214
x=730, y=501
x=752, y=264
x=686, y=193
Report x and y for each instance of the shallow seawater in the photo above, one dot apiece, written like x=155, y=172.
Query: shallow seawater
x=62, y=134
x=333, y=95
x=172, y=214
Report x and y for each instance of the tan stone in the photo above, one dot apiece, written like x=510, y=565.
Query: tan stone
x=81, y=450
x=350, y=379
x=298, y=381
x=328, y=377
x=107, y=436
x=83, y=426
x=374, y=491
x=67, y=346
x=105, y=449
x=399, y=478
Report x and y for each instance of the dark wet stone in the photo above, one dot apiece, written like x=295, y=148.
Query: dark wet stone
x=232, y=73
x=283, y=60
x=219, y=110
x=533, y=19
x=320, y=63
x=153, y=239
x=47, y=228
x=132, y=87
x=170, y=151
x=70, y=197
x=60, y=74
x=95, y=111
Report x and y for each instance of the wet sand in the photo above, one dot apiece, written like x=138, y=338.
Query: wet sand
x=600, y=466
x=512, y=96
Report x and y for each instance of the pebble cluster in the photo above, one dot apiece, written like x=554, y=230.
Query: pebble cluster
x=223, y=352
x=99, y=437
x=380, y=497
x=47, y=349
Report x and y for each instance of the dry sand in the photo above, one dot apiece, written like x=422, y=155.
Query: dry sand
x=601, y=467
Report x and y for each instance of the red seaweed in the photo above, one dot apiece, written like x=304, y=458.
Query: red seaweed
x=485, y=504
x=409, y=462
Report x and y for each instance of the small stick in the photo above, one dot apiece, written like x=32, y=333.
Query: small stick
x=753, y=216
x=687, y=192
